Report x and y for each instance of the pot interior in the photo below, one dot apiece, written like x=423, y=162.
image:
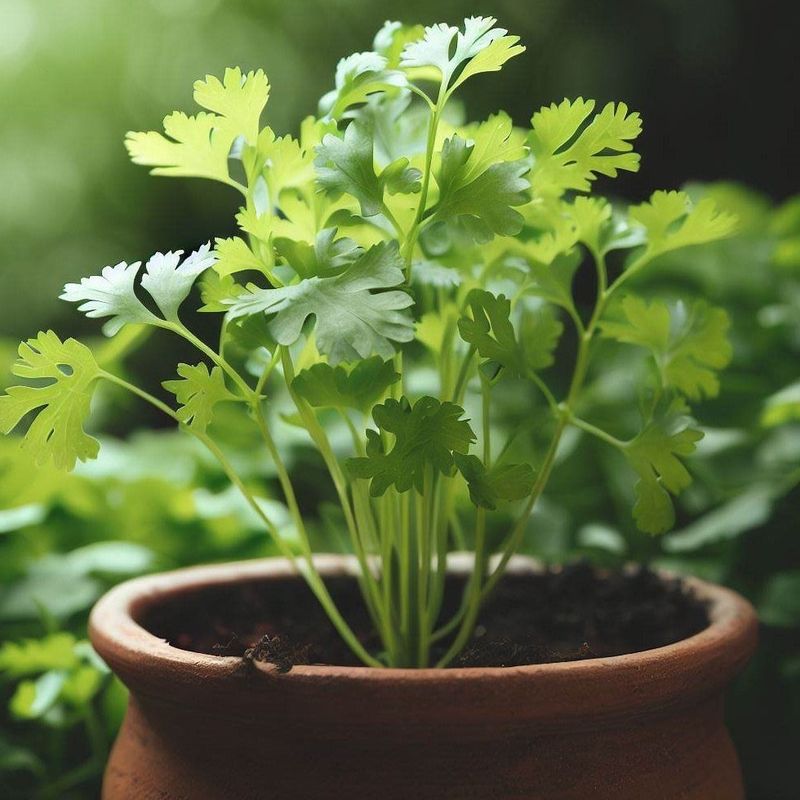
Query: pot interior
x=559, y=614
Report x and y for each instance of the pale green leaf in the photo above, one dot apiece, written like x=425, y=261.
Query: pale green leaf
x=196, y=147
x=198, y=392
x=62, y=405
x=239, y=99
x=689, y=343
x=670, y=221
x=569, y=154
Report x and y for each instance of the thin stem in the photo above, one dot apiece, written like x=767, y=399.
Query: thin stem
x=311, y=576
x=597, y=432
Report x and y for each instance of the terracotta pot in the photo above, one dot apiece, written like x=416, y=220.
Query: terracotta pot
x=645, y=726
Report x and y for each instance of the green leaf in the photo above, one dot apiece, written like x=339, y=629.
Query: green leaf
x=488, y=487
x=688, y=344
x=34, y=656
x=238, y=99
x=56, y=432
x=234, y=255
x=327, y=256
x=782, y=407
x=670, y=221
x=167, y=279
x=360, y=388
x=490, y=330
x=426, y=434
x=216, y=290
x=567, y=154
x=346, y=166
x=197, y=147
x=654, y=455
x=198, y=392
x=33, y=699
x=357, y=77
x=478, y=193
x=352, y=321
x=445, y=48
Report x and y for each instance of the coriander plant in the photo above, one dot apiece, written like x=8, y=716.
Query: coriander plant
x=395, y=245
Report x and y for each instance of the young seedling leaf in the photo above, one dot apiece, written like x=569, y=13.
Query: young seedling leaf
x=352, y=320
x=500, y=482
x=61, y=406
x=426, y=435
x=198, y=391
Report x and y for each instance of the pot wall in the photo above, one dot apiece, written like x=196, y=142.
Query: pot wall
x=643, y=726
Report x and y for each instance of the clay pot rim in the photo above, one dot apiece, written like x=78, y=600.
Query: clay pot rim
x=114, y=628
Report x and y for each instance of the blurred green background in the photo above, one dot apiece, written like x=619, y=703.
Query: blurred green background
x=721, y=113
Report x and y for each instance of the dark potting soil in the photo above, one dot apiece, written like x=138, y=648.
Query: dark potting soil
x=562, y=614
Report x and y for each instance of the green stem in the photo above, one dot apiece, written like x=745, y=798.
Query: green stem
x=310, y=574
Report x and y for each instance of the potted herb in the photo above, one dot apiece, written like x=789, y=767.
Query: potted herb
x=395, y=266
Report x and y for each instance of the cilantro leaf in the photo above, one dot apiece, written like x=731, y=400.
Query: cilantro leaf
x=360, y=388
x=111, y=294
x=198, y=392
x=670, y=221
x=234, y=255
x=567, y=155
x=357, y=77
x=688, y=344
x=215, y=290
x=352, y=321
x=483, y=202
x=56, y=432
x=327, y=256
x=491, y=331
x=654, y=455
x=445, y=48
x=346, y=165
x=167, y=279
x=426, y=434
x=197, y=147
x=488, y=487
x=238, y=99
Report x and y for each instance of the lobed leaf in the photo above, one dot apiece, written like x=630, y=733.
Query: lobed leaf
x=198, y=392
x=487, y=487
x=352, y=320
x=426, y=435
x=62, y=405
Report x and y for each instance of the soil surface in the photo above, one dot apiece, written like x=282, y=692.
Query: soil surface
x=563, y=614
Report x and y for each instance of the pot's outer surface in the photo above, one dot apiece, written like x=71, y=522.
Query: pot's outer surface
x=644, y=726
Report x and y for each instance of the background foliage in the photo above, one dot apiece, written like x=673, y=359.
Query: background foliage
x=77, y=75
